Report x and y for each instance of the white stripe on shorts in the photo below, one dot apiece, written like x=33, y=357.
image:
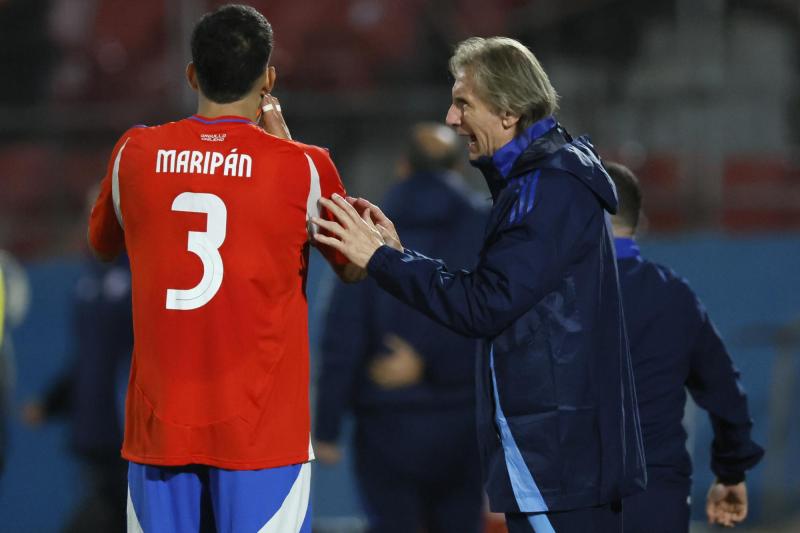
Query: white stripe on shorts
x=292, y=514
x=133, y=521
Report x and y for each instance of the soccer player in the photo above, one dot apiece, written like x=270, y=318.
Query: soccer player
x=556, y=409
x=675, y=347
x=213, y=212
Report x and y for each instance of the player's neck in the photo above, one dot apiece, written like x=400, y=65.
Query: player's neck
x=247, y=107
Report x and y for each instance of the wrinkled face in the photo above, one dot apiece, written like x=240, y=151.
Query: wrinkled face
x=470, y=116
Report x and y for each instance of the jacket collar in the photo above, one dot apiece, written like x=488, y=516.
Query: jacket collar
x=498, y=168
x=626, y=248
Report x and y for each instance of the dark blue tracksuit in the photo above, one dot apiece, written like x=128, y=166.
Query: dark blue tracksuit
x=674, y=347
x=556, y=406
x=416, y=452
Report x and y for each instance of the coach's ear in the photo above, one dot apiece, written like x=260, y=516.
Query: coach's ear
x=509, y=120
x=191, y=76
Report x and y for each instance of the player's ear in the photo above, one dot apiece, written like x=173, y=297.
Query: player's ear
x=270, y=78
x=191, y=76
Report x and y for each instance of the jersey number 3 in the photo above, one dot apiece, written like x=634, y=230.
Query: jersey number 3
x=204, y=244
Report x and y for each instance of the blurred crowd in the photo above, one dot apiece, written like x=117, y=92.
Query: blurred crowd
x=92, y=68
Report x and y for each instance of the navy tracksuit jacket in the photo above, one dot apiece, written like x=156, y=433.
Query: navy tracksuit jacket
x=675, y=347
x=557, y=420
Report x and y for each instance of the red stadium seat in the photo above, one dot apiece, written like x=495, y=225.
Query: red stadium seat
x=761, y=193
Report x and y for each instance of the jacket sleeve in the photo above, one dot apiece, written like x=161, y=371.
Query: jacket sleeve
x=344, y=344
x=523, y=261
x=714, y=384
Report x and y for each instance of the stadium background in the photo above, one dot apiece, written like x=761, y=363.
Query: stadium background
x=700, y=97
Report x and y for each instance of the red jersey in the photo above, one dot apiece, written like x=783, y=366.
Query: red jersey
x=214, y=216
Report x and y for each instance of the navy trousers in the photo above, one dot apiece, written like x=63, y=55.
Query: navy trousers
x=419, y=471
x=657, y=510
x=602, y=519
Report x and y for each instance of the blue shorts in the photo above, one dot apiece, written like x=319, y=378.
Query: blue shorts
x=197, y=498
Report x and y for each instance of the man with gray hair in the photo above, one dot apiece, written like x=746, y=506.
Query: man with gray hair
x=557, y=420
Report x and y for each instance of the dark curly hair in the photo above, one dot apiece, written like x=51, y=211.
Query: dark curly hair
x=230, y=50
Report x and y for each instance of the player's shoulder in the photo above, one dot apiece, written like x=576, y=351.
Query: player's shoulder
x=290, y=146
x=316, y=153
x=318, y=157
x=132, y=132
x=142, y=132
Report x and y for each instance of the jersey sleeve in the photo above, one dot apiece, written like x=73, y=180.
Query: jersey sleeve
x=325, y=181
x=106, y=235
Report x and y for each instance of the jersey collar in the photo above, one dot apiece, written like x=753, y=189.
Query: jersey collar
x=221, y=120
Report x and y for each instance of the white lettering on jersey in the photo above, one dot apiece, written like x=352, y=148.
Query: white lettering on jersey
x=213, y=137
x=196, y=162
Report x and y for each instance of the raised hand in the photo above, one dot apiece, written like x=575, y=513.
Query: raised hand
x=381, y=221
x=271, y=118
x=355, y=236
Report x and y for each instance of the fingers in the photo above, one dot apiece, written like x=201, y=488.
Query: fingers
x=346, y=207
x=334, y=243
x=270, y=104
x=271, y=118
x=346, y=216
x=385, y=233
x=395, y=343
x=723, y=515
x=328, y=225
x=360, y=204
x=366, y=216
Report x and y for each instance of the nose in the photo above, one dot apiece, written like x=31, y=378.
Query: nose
x=453, y=118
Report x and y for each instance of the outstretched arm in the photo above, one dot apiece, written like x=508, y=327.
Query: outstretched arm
x=527, y=259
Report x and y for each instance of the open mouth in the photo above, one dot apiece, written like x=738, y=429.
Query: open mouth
x=473, y=142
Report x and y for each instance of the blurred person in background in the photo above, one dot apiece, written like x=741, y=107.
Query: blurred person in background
x=675, y=347
x=213, y=211
x=14, y=302
x=556, y=406
x=88, y=394
x=408, y=380
x=4, y=377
